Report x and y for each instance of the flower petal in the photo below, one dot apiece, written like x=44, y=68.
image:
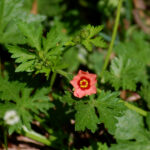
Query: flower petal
x=91, y=90
x=79, y=93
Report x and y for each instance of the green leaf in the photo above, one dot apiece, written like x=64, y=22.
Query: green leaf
x=88, y=39
x=125, y=73
x=131, y=146
x=145, y=93
x=32, y=33
x=13, y=88
x=53, y=39
x=131, y=127
x=56, y=7
x=93, y=30
x=70, y=57
x=137, y=48
x=98, y=146
x=11, y=12
x=102, y=146
x=67, y=99
x=26, y=66
x=21, y=54
x=87, y=45
x=95, y=61
x=98, y=41
x=109, y=108
x=148, y=120
x=85, y=117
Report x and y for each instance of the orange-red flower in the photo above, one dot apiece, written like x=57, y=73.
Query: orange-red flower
x=84, y=84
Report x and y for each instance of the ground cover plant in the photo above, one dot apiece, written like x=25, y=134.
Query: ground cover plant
x=74, y=75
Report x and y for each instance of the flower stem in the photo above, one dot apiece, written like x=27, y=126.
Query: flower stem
x=5, y=138
x=113, y=38
x=35, y=136
x=136, y=109
x=52, y=80
x=63, y=73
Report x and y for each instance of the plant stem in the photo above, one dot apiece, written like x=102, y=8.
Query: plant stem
x=52, y=80
x=136, y=109
x=113, y=38
x=5, y=138
x=35, y=136
x=65, y=74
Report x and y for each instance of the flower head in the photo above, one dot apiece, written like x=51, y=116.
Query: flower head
x=84, y=84
x=11, y=117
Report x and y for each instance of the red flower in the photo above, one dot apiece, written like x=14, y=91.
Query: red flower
x=84, y=84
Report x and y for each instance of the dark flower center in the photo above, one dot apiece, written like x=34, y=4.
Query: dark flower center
x=84, y=83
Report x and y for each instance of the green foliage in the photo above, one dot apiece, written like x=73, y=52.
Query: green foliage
x=67, y=99
x=55, y=45
x=85, y=117
x=95, y=61
x=99, y=146
x=6, y=87
x=136, y=48
x=26, y=58
x=129, y=68
x=145, y=92
x=32, y=34
x=37, y=58
x=125, y=73
x=10, y=12
x=87, y=37
x=17, y=96
x=71, y=57
x=107, y=7
x=131, y=127
x=108, y=106
x=55, y=6
x=131, y=146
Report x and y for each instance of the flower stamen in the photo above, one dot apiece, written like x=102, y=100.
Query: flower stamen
x=84, y=83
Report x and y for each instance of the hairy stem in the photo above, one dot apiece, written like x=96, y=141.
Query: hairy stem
x=35, y=136
x=63, y=73
x=113, y=38
x=52, y=80
x=136, y=109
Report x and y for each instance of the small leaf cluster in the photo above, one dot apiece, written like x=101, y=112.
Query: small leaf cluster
x=87, y=37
